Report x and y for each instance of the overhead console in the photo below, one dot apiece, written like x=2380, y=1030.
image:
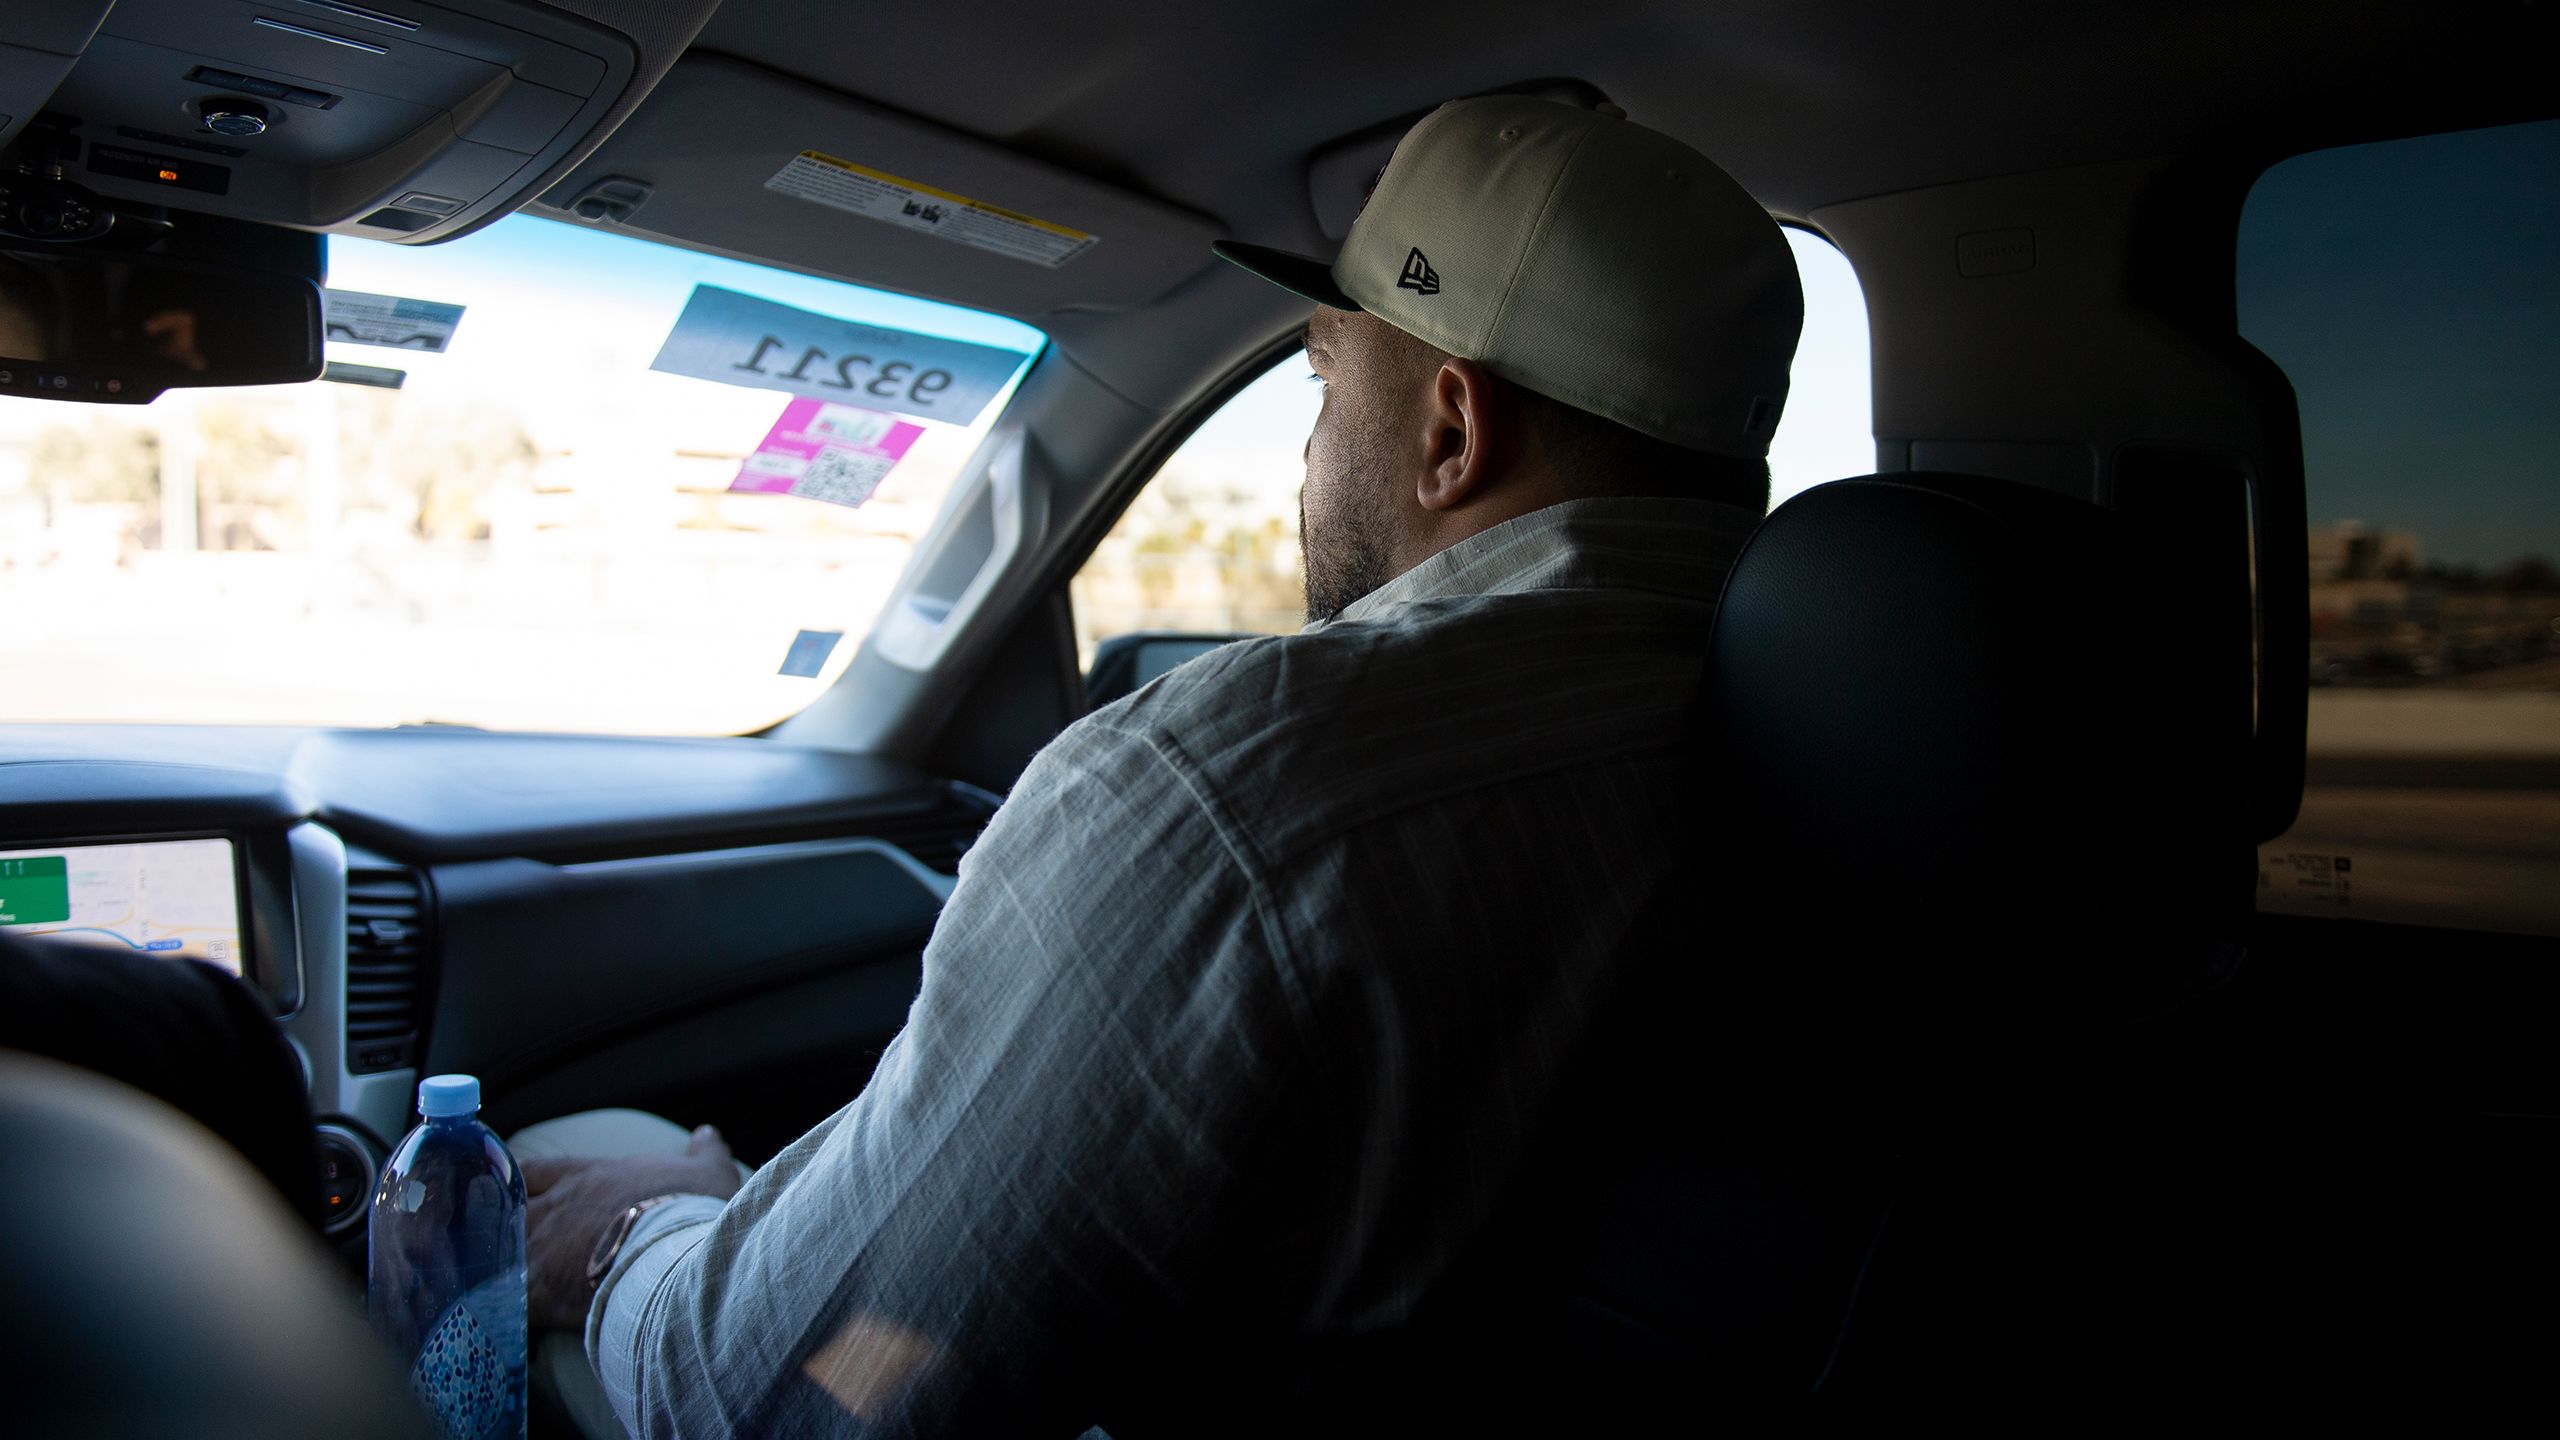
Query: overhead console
x=391, y=119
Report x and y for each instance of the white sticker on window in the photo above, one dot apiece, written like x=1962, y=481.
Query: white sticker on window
x=857, y=189
x=809, y=650
x=2308, y=879
x=395, y=321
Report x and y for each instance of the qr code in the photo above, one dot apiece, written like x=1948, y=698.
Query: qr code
x=842, y=477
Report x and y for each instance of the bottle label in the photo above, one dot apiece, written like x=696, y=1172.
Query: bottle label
x=462, y=1377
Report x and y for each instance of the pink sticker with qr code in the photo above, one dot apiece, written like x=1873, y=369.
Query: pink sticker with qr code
x=835, y=453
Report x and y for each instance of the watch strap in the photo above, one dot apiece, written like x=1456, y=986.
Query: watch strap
x=618, y=1234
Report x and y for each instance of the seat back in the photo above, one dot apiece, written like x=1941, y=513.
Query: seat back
x=157, y=1286
x=1968, y=815
x=1969, y=772
x=1964, y=817
x=179, y=1031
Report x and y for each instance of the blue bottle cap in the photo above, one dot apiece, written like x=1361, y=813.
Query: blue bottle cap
x=443, y=1096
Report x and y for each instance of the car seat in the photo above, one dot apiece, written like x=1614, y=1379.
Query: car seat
x=1973, y=828
x=155, y=1285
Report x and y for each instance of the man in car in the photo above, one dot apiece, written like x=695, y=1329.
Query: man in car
x=1262, y=997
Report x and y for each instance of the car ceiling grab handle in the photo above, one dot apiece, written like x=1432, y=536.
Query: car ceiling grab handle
x=1002, y=511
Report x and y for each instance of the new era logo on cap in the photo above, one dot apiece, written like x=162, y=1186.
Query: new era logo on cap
x=1418, y=275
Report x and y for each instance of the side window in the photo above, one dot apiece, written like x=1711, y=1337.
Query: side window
x=1828, y=430
x=1211, y=546
x=2411, y=291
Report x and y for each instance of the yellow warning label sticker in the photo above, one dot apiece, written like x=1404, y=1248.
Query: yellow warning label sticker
x=842, y=185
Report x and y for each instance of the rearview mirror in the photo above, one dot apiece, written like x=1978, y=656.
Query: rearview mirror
x=86, y=323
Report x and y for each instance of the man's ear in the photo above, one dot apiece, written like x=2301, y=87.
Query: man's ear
x=1468, y=436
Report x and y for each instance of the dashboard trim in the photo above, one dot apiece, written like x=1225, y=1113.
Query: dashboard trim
x=933, y=880
x=378, y=1103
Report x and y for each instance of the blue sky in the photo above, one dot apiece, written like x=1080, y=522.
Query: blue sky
x=2411, y=290
x=607, y=273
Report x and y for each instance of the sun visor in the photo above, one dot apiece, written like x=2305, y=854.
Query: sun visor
x=735, y=158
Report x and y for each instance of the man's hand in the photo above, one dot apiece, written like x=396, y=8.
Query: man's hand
x=573, y=1198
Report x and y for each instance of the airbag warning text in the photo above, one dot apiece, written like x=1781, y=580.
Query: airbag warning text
x=2309, y=879
x=825, y=180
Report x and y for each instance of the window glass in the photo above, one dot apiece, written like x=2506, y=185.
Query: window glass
x=535, y=530
x=1828, y=430
x=2411, y=290
x=1211, y=545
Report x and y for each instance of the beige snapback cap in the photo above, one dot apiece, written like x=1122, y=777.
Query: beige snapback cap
x=1581, y=255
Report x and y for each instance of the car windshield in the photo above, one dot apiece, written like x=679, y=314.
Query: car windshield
x=580, y=482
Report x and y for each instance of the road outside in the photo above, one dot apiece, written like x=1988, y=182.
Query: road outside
x=2427, y=806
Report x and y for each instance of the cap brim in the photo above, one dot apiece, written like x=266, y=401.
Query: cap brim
x=1302, y=275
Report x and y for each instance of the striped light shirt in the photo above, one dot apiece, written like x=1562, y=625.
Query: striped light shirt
x=1243, y=1021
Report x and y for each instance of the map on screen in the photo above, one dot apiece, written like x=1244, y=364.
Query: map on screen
x=164, y=897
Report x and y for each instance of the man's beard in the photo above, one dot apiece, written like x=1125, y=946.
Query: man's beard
x=1344, y=560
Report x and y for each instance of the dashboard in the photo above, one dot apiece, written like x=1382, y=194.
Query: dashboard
x=579, y=920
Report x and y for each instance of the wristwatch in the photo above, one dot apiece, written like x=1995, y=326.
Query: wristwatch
x=609, y=1244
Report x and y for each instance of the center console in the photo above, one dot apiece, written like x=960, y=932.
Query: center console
x=362, y=930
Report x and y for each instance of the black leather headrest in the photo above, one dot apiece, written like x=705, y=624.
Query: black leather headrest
x=154, y=1285
x=1959, y=763
x=181, y=1032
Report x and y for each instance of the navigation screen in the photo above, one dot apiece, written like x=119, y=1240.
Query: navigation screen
x=164, y=897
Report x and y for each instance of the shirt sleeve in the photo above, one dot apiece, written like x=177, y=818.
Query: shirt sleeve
x=1016, y=1213
x=644, y=1262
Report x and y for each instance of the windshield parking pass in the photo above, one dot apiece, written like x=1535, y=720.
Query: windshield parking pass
x=742, y=340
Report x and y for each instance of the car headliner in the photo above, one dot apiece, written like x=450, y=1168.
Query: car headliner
x=1220, y=113
x=1808, y=102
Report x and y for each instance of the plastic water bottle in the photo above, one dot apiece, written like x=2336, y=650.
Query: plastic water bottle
x=447, y=1281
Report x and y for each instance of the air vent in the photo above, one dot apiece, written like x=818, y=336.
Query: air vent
x=940, y=836
x=939, y=852
x=386, y=960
